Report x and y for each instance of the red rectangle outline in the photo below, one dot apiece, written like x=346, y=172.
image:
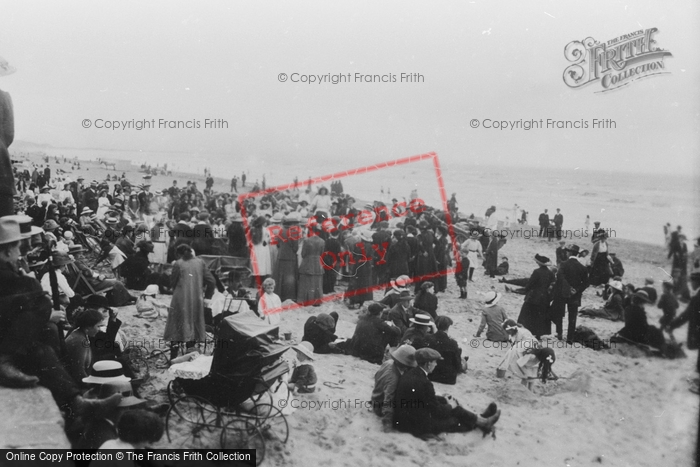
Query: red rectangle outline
x=361, y=170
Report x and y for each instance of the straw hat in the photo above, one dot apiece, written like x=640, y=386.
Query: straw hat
x=9, y=230
x=642, y=295
x=617, y=285
x=292, y=217
x=306, y=348
x=26, y=228
x=105, y=371
x=50, y=225
x=491, y=298
x=366, y=235
x=400, y=282
x=152, y=289
x=421, y=319
x=86, y=210
x=405, y=355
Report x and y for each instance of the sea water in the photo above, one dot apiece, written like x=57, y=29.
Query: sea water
x=634, y=206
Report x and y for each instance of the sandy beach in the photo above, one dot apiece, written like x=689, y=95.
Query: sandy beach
x=614, y=407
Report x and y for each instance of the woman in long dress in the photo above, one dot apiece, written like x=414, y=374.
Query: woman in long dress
x=287, y=270
x=601, y=270
x=361, y=270
x=261, y=248
x=534, y=314
x=310, y=269
x=191, y=282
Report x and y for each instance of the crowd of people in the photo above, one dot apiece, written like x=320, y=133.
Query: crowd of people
x=299, y=246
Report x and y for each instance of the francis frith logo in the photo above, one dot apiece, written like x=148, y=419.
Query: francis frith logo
x=615, y=63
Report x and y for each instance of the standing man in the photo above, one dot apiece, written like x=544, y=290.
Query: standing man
x=558, y=222
x=243, y=180
x=234, y=184
x=544, y=222
x=571, y=281
x=7, y=135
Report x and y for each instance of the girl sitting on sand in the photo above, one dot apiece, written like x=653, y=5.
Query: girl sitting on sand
x=613, y=308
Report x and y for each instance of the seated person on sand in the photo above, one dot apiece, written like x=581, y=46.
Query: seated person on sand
x=137, y=429
x=416, y=335
x=650, y=290
x=401, y=314
x=391, y=298
x=503, y=268
x=668, y=304
x=426, y=301
x=452, y=363
x=385, y=381
x=94, y=432
x=493, y=316
x=516, y=359
x=78, y=358
x=65, y=292
x=135, y=269
x=320, y=332
x=303, y=379
x=372, y=335
x=613, y=308
x=423, y=414
x=636, y=328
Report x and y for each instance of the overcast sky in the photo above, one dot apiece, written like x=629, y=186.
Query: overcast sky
x=500, y=60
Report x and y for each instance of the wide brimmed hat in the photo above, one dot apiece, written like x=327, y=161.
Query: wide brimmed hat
x=405, y=295
x=106, y=371
x=542, y=260
x=112, y=221
x=491, y=298
x=617, y=285
x=194, y=209
x=642, y=295
x=425, y=355
x=120, y=387
x=277, y=218
x=405, y=355
x=400, y=282
x=61, y=260
x=26, y=228
x=509, y=325
x=152, y=290
x=306, y=348
x=9, y=230
x=50, y=225
x=366, y=235
x=323, y=188
x=86, y=210
x=421, y=319
x=573, y=249
x=475, y=234
x=292, y=218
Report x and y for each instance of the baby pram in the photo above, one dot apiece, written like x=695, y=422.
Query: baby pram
x=231, y=402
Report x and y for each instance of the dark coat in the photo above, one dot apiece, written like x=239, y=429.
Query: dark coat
x=7, y=135
x=318, y=336
x=576, y=275
x=427, y=302
x=425, y=258
x=202, y=238
x=401, y=317
x=534, y=314
x=691, y=315
x=135, y=271
x=544, y=220
x=450, y=366
x=398, y=257
x=417, y=409
x=371, y=336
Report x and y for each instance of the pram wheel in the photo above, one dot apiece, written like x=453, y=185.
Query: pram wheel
x=240, y=433
x=161, y=359
x=192, y=422
x=271, y=422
